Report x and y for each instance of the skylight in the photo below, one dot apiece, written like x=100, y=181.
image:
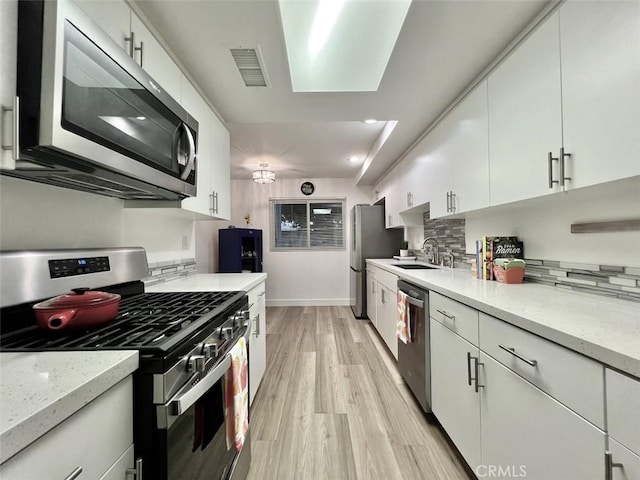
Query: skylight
x=340, y=45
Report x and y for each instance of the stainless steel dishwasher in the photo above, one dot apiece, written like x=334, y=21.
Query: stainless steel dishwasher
x=414, y=359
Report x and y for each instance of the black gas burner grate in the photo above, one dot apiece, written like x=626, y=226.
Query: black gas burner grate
x=144, y=321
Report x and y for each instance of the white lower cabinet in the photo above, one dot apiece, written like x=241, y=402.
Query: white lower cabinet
x=623, y=405
x=530, y=434
x=625, y=465
x=94, y=439
x=454, y=400
x=509, y=403
x=372, y=292
x=386, y=318
x=257, y=344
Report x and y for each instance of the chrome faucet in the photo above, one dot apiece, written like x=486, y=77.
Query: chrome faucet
x=432, y=257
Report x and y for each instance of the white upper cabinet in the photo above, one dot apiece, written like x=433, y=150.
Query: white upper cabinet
x=151, y=56
x=470, y=153
x=525, y=118
x=198, y=108
x=600, y=49
x=213, y=150
x=127, y=30
x=220, y=169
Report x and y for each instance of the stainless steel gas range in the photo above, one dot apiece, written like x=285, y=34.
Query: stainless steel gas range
x=183, y=339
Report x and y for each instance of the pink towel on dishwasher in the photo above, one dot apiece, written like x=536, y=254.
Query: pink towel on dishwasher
x=236, y=382
x=403, y=325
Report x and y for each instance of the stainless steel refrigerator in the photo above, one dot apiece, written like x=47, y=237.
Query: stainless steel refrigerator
x=369, y=239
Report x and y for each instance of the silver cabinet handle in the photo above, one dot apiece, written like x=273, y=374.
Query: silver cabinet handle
x=139, y=49
x=513, y=352
x=477, y=372
x=382, y=300
x=131, y=43
x=137, y=471
x=448, y=203
x=450, y=317
x=469, y=368
x=609, y=465
x=212, y=208
x=453, y=202
x=215, y=202
x=15, y=123
x=550, y=160
x=257, y=329
x=563, y=155
x=75, y=474
x=261, y=294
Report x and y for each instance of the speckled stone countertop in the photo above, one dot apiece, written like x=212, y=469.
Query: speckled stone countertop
x=607, y=330
x=211, y=282
x=40, y=390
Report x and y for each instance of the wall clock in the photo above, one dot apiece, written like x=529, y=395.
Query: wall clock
x=307, y=188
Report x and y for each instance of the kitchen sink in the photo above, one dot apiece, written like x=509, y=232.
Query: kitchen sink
x=413, y=266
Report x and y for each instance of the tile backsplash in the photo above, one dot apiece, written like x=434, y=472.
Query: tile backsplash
x=607, y=280
x=170, y=270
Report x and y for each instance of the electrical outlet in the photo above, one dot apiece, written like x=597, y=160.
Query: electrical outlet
x=185, y=242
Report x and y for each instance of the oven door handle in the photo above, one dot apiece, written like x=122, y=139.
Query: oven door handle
x=183, y=400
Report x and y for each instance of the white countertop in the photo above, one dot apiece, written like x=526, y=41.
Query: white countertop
x=40, y=390
x=211, y=282
x=605, y=329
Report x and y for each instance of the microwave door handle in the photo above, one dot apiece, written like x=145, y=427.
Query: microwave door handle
x=192, y=153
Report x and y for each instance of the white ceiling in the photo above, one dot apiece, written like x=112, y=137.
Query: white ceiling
x=442, y=47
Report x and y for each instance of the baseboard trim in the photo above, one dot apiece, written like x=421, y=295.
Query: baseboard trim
x=308, y=302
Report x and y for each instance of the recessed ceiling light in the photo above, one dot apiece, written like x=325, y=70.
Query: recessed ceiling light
x=352, y=159
x=370, y=120
x=141, y=118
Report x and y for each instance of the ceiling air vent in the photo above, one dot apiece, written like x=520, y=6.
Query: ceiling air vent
x=249, y=66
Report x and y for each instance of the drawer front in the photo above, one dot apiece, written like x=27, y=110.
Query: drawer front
x=623, y=409
x=93, y=439
x=627, y=463
x=455, y=316
x=118, y=470
x=387, y=279
x=256, y=293
x=572, y=379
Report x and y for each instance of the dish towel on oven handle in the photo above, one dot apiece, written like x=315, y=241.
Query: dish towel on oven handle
x=236, y=408
x=403, y=324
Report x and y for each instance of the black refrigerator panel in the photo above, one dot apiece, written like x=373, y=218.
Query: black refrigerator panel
x=239, y=250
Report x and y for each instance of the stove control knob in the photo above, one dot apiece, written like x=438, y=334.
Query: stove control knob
x=195, y=363
x=226, y=333
x=210, y=350
x=240, y=318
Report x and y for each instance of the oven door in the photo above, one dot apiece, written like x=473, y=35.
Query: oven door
x=194, y=430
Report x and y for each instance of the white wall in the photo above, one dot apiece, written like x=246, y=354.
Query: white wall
x=545, y=225
x=296, y=277
x=37, y=216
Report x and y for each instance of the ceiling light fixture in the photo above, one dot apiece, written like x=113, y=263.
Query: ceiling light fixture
x=369, y=121
x=352, y=159
x=264, y=176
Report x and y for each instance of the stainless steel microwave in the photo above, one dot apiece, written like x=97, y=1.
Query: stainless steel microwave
x=90, y=118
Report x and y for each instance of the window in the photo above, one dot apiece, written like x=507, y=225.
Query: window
x=305, y=224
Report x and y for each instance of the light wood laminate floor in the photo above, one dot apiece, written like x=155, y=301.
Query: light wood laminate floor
x=333, y=406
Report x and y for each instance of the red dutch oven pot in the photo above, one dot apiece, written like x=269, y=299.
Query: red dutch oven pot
x=83, y=308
